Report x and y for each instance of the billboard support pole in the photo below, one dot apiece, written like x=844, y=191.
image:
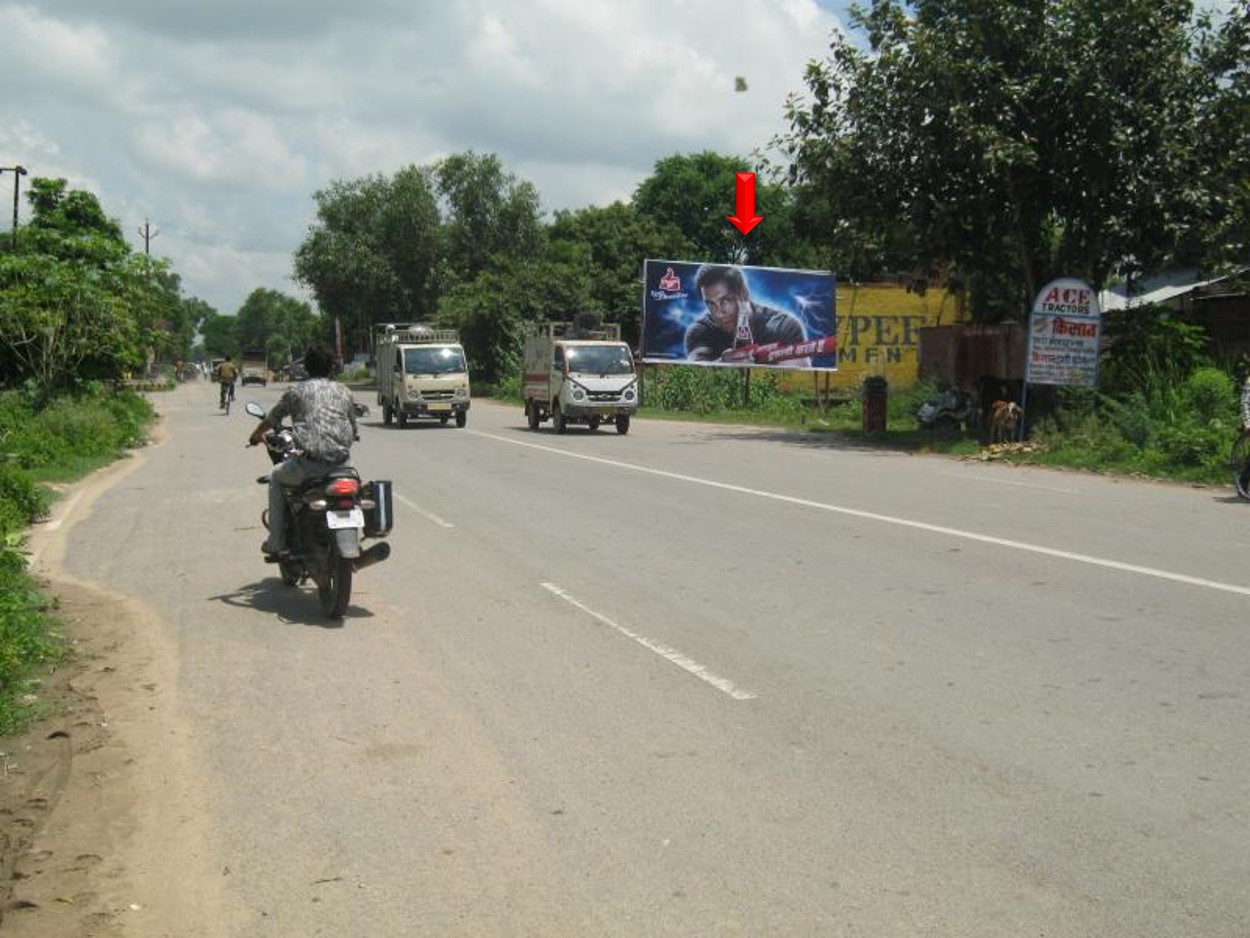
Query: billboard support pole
x=1024, y=398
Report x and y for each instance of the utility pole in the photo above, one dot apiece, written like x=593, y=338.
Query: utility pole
x=147, y=233
x=18, y=172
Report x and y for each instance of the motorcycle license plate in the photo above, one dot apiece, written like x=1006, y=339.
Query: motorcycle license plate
x=353, y=518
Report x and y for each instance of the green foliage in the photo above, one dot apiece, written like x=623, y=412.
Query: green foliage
x=75, y=303
x=72, y=431
x=492, y=309
x=22, y=502
x=1210, y=394
x=27, y=645
x=1150, y=349
x=391, y=249
x=691, y=389
x=1007, y=143
x=607, y=247
x=705, y=391
x=62, y=438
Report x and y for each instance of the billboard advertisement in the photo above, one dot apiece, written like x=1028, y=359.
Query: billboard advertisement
x=1064, y=333
x=739, y=316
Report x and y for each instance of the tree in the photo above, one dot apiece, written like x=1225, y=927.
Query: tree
x=75, y=302
x=219, y=336
x=610, y=244
x=491, y=310
x=487, y=213
x=373, y=252
x=388, y=249
x=1223, y=140
x=1005, y=143
x=695, y=194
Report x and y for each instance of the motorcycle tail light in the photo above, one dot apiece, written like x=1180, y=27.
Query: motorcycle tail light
x=343, y=487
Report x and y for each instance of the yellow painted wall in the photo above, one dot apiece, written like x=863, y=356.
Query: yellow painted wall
x=879, y=332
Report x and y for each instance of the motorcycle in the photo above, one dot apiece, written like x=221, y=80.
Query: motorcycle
x=326, y=521
x=947, y=412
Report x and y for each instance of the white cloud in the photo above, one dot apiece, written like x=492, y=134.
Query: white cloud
x=218, y=121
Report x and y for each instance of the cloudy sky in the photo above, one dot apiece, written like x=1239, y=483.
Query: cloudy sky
x=216, y=120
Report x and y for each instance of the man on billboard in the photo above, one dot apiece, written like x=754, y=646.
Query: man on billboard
x=733, y=325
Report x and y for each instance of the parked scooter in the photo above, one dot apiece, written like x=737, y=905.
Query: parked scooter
x=950, y=411
x=326, y=520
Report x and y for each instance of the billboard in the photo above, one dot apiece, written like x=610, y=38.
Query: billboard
x=1064, y=335
x=737, y=316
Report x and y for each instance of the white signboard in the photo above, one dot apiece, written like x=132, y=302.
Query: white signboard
x=1064, y=332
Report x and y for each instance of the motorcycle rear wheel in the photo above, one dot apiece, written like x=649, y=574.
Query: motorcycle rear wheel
x=335, y=588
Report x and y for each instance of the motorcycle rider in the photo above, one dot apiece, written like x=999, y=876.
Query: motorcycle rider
x=323, y=422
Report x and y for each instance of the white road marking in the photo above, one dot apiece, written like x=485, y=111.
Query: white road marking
x=890, y=519
x=421, y=511
x=671, y=654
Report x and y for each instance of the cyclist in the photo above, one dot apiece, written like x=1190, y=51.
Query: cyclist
x=227, y=372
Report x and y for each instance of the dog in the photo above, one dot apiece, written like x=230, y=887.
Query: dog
x=1004, y=420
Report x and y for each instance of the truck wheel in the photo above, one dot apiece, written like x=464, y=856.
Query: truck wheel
x=531, y=415
x=462, y=417
x=402, y=416
x=593, y=423
x=386, y=413
x=622, y=424
x=557, y=415
x=443, y=419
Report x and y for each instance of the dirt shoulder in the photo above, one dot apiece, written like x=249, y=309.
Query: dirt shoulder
x=103, y=826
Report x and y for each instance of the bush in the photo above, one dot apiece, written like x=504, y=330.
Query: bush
x=694, y=389
x=65, y=437
x=1210, y=394
x=21, y=500
x=73, y=431
x=506, y=389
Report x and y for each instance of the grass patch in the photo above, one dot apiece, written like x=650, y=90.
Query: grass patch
x=60, y=440
x=29, y=644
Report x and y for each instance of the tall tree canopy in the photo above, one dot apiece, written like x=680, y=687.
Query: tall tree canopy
x=1005, y=143
x=75, y=302
x=387, y=248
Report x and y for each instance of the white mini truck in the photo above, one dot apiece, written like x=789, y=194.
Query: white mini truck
x=422, y=372
x=578, y=375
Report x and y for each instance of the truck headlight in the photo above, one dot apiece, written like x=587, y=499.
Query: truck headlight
x=414, y=395
x=462, y=393
x=629, y=394
x=579, y=395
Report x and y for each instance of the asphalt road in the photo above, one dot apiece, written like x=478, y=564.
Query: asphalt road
x=706, y=681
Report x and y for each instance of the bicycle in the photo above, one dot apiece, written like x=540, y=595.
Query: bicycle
x=227, y=398
x=1239, y=464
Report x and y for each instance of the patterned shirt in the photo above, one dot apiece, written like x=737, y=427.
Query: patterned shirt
x=323, y=418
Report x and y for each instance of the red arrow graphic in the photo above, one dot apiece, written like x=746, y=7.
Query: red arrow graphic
x=746, y=219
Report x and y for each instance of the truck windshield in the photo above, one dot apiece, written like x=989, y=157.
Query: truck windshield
x=433, y=361
x=599, y=359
